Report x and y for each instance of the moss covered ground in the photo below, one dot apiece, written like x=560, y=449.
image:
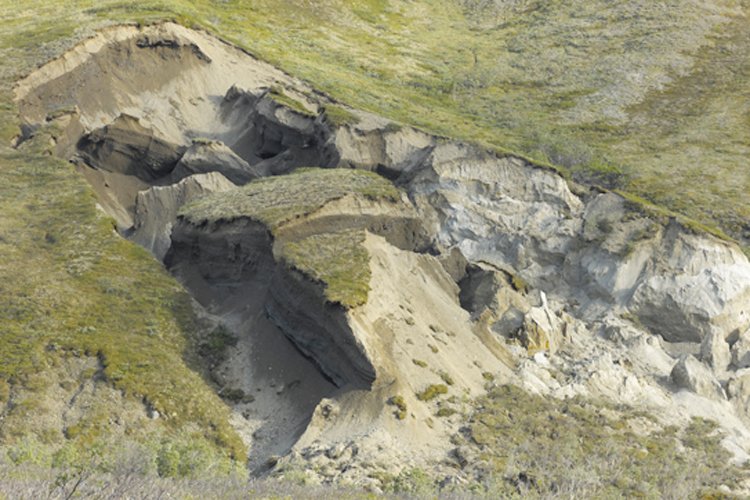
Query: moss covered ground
x=339, y=260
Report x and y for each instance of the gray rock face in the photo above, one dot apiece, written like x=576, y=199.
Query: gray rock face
x=689, y=373
x=479, y=290
x=492, y=300
x=497, y=210
x=598, y=255
x=691, y=285
x=156, y=208
x=738, y=391
x=741, y=351
x=715, y=352
x=376, y=145
x=213, y=156
x=275, y=139
x=278, y=128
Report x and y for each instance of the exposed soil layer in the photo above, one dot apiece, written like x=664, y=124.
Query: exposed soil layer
x=486, y=267
x=156, y=117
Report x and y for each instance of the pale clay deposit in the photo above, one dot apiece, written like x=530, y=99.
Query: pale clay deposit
x=616, y=305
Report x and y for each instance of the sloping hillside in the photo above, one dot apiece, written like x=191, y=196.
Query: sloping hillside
x=358, y=328
x=643, y=96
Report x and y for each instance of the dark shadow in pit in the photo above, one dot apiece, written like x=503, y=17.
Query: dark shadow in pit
x=254, y=136
x=294, y=349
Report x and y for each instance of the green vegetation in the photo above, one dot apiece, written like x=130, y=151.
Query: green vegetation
x=203, y=141
x=445, y=412
x=179, y=457
x=538, y=447
x=419, y=363
x=133, y=472
x=414, y=483
x=275, y=201
x=393, y=127
x=400, y=404
x=644, y=96
x=432, y=391
x=446, y=377
x=340, y=116
x=338, y=260
x=662, y=214
x=4, y=391
x=237, y=396
x=213, y=347
x=519, y=284
x=278, y=95
x=73, y=289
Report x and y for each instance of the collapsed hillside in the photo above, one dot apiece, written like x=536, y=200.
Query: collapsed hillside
x=373, y=297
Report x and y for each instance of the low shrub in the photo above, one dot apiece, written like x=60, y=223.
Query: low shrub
x=432, y=391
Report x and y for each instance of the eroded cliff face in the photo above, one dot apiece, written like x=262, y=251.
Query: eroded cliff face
x=598, y=253
x=238, y=256
x=486, y=266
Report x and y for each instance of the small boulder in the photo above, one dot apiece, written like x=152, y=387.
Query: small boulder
x=213, y=156
x=479, y=289
x=689, y=373
x=542, y=329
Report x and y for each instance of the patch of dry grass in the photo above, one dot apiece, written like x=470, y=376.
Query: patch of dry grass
x=537, y=447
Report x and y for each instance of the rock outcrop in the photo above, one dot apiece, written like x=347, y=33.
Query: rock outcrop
x=600, y=254
x=738, y=391
x=690, y=374
x=715, y=352
x=542, y=330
